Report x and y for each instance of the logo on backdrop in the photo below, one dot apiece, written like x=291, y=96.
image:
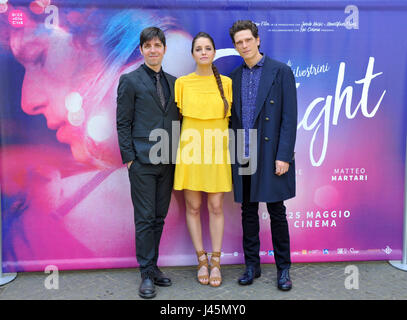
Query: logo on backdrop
x=350, y=22
x=17, y=17
x=331, y=106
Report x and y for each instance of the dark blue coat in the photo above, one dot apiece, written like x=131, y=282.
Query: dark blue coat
x=276, y=124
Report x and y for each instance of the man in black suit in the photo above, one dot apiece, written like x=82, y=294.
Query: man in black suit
x=145, y=101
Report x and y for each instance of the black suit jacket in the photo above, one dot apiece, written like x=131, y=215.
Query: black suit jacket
x=139, y=111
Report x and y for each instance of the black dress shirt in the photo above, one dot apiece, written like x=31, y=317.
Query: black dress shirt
x=163, y=81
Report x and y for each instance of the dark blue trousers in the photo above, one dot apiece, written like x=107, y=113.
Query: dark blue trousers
x=278, y=225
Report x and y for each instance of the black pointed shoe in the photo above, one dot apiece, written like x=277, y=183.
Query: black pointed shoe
x=147, y=288
x=249, y=275
x=160, y=279
x=283, y=280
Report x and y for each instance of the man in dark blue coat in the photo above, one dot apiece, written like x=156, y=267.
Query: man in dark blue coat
x=264, y=103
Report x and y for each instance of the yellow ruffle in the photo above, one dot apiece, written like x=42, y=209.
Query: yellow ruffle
x=199, y=97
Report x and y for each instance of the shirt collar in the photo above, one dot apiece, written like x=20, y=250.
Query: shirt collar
x=258, y=64
x=151, y=72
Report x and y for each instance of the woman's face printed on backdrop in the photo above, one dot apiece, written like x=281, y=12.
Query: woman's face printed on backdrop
x=57, y=82
x=66, y=80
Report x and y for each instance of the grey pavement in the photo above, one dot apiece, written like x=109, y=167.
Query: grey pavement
x=372, y=280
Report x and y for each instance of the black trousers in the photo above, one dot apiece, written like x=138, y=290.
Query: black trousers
x=151, y=188
x=278, y=225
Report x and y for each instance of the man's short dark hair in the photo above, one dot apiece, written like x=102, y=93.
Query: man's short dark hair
x=150, y=33
x=241, y=25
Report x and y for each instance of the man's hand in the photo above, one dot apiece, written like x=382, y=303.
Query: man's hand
x=281, y=167
x=129, y=164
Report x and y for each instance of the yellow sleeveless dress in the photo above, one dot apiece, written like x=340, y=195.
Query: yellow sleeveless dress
x=203, y=159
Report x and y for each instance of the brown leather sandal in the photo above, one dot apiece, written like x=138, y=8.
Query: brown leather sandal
x=215, y=264
x=203, y=279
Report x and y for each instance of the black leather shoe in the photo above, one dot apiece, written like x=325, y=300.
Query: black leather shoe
x=249, y=275
x=160, y=279
x=283, y=280
x=147, y=288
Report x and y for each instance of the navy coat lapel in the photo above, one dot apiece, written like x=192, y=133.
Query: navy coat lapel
x=237, y=88
x=268, y=73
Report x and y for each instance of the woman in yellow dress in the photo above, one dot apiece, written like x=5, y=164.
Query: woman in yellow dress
x=204, y=98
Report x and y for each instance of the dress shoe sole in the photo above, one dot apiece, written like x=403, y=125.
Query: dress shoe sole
x=147, y=295
x=162, y=284
x=284, y=288
x=249, y=282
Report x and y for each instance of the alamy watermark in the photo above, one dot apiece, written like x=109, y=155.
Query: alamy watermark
x=207, y=149
x=352, y=280
x=51, y=282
